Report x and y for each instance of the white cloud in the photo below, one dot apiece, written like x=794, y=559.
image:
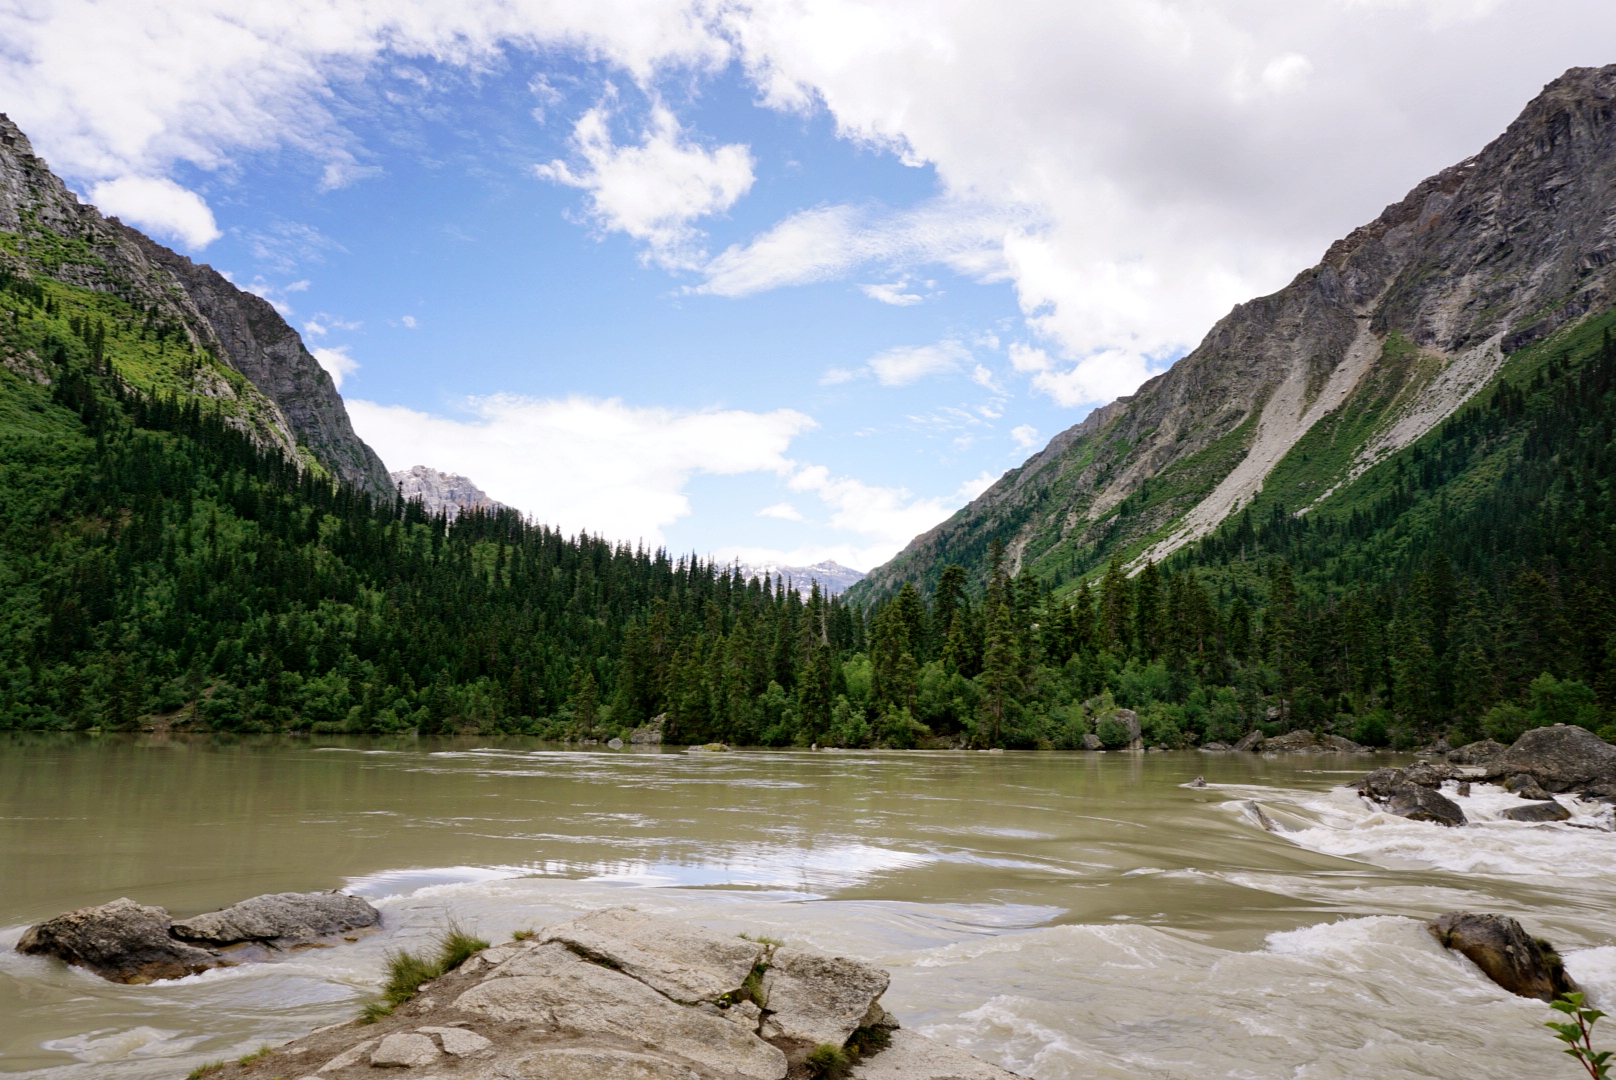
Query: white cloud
x=1103, y=376
x=889, y=517
x=907, y=364
x=409, y=322
x=1025, y=436
x=654, y=190
x=829, y=242
x=160, y=207
x=892, y=293
x=784, y=511
x=1026, y=358
x=982, y=376
x=337, y=363
x=1285, y=73
x=583, y=463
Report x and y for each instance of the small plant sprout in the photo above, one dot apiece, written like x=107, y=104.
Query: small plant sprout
x=1578, y=1035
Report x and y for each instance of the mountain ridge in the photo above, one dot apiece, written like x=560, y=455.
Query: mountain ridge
x=288, y=400
x=1403, y=321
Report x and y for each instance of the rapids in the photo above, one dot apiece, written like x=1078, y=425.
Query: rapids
x=1065, y=915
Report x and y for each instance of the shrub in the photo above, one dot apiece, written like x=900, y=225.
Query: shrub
x=826, y=1062
x=1370, y=729
x=1113, y=733
x=1505, y=722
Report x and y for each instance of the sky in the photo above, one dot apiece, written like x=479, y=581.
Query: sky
x=770, y=280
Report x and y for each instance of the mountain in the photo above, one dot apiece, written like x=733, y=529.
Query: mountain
x=440, y=492
x=832, y=577
x=1295, y=396
x=199, y=336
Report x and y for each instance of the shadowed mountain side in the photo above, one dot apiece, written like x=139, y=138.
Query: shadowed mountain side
x=1403, y=321
x=288, y=401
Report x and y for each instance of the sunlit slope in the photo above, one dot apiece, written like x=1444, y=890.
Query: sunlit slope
x=1402, y=322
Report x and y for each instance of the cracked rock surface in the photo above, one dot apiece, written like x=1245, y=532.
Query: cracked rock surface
x=624, y=995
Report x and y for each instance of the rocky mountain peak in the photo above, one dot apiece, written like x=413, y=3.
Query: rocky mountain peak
x=444, y=493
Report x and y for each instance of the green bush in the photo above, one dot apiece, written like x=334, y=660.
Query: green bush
x=1563, y=701
x=1371, y=730
x=1113, y=733
x=1505, y=722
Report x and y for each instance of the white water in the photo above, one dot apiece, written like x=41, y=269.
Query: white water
x=1066, y=916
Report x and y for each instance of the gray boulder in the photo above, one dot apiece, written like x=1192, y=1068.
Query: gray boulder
x=1379, y=783
x=814, y=999
x=1429, y=774
x=1506, y=953
x=1419, y=803
x=279, y=920
x=1526, y=787
x=1215, y=747
x=1337, y=744
x=687, y=963
x=1252, y=740
x=650, y=734
x=1477, y=753
x=1092, y=742
x=1562, y=758
x=122, y=941
x=1537, y=811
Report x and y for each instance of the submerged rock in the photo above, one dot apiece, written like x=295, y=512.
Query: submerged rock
x=1526, y=787
x=590, y=1000
x=279, y=920
x=122, y=941
x=128, y=942
x=1506, y=953
x=1562, y=758
x=1552, y=810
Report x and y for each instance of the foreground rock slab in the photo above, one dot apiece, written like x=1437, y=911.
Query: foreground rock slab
x=1506, y=953
x=122, y=941
x=131, y=943
x=595, y=999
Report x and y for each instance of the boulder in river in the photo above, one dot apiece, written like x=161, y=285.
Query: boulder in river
x=1552, y=810
x=1477, y=753
x=1525, y=786
x=1251, y=740
x=1506, y=953
x=1215, y=747
x=595, y=999
x=122, y=941
x=1418, y=803
x=131, y=943
x=279, y=920
x=1561, y=758
x=1092, y=741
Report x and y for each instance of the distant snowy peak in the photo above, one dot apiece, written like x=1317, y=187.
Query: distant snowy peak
x=833, y=577
x=449, y=493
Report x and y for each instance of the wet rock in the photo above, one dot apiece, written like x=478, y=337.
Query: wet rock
x=553, y=988
x=1477, y=753
x=1562, y=758
x=1215, y=747
x=615, y=743
x=1537, y=811
x=122, y=941
x=404, y=1052
x=1261, y=818
x=1419, y=803
x=814, y=999
x=915, y=1057
x=1092, y=742
x=1508, y=955
x=1198, y=782
x=688, y=963
x=1464, y=789
x=1379, y=783
x=1526, y=787
x=1428, y=773
x=280, y=920
x=1252, y=740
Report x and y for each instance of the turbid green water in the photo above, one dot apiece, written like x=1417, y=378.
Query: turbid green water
x=1067, y=915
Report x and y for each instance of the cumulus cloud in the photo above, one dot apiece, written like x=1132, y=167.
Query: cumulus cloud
x=1025, y=436
x=583, y=463
x=784, y=511
x=829, y=242
x=903, y=365
x=653, y=190
x=337, y=363
x=159, y=206
x=893, y=292
x=886, y=517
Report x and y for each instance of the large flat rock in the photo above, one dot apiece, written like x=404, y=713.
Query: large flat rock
x=1562, y=757
x=595, y=1064
x=688, y=963
x=122, y=941
x=553, y=987
x=283, y=920
x=915, y=1057
x=815, y=999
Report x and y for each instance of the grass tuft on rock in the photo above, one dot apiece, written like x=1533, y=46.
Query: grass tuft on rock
x=407, y=972
x=827, y=1062
x=257, y=1055
x=203, y=1070
x=869, y=1040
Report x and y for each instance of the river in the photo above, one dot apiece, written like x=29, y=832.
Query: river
x=1064, y=915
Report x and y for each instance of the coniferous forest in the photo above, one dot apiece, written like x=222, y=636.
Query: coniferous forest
x=162, y=568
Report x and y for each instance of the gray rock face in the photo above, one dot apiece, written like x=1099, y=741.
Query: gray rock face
x=553, y=987
x=1552, y=810
x=1092, y=741
x=280, y=920
x=687, y=963
x=1477, y=753
x=1479, y=260
x=1250, y=741
x=294, y=397
x=1508, y=955
x=122, y=941
x=449, y=494
x=1424, y=804
x=650, y=733
x=1562, y=758
x=814, y=999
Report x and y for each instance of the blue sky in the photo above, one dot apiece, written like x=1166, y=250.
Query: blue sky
x=772, y=281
